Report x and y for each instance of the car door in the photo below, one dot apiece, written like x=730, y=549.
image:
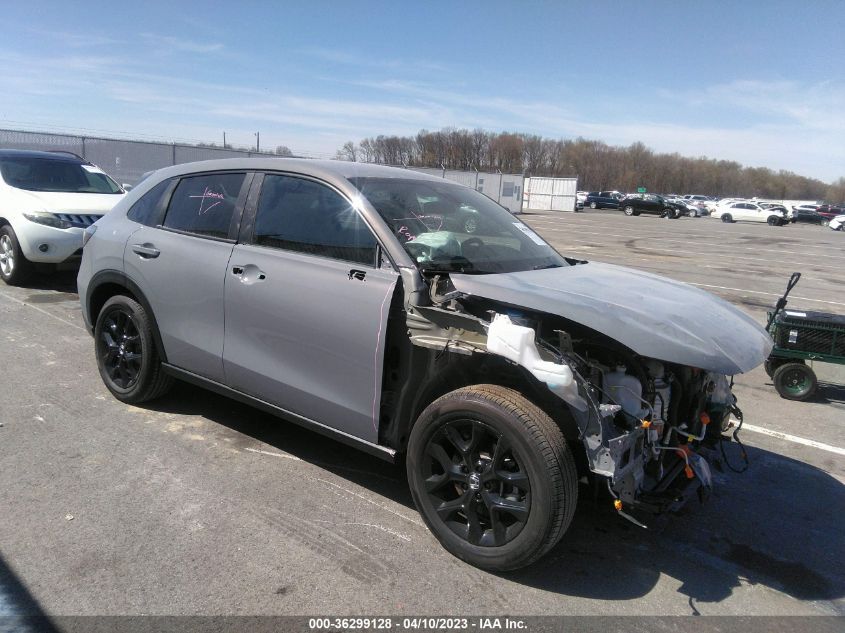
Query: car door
x=739, y=211
x=307, y=299
x=180, y=265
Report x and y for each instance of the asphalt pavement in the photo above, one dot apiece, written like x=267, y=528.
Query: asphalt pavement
x=195, y=504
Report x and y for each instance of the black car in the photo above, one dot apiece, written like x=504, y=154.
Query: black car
x=807, y=215
x=603, y=199
x=637, y=203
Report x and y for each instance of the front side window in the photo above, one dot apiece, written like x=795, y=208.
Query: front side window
x=307, y=217
x=204, y=204
x=49, y=174
x=447, y=227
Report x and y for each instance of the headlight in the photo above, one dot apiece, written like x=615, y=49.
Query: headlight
x=47, y=219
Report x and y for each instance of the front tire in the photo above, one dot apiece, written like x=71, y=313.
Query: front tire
x=795, y=381
x=15, y=269
x=127, y=358
x=773, y=220
x=726, y=218
x=629, y=211
x=492, y=476
x=593, y=205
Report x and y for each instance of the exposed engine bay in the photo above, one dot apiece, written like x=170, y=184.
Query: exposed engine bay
x=648, y=427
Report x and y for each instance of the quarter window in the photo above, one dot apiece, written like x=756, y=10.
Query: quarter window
x=146, y=209
x=306, y=217
x=204, y=204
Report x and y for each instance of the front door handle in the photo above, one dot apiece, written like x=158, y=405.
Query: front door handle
x=249, y=273
x=146, y=251
x=360, y=275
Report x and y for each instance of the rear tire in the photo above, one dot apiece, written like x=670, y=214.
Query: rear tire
x=795, y=381
x=492, y=476
x=727, y=218
x=772, y=363
x=15, y=269
x=593, y=205
x=126, y=353
x=629, y=211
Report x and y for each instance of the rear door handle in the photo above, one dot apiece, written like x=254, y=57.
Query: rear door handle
x=146, y=251
x=360, y=275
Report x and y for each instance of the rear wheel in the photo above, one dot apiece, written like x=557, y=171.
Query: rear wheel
x=772, y=363
x=127, y=358
x=14, y=267
x=492, y=476
x=795, y=381
x=726, y=218
x=629, y=210
x=593, y=205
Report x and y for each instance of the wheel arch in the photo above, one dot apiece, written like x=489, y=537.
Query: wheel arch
x=109, y=283
x=436, y=374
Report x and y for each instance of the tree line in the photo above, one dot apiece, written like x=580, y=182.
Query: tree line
x=597, y=165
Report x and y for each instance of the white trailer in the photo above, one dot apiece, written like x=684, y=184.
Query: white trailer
x=550, y=194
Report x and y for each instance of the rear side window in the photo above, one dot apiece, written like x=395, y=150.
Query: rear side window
x=147, y=209
x=204, y=204
x=306, y=217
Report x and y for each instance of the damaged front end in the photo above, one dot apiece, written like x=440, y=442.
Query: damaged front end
x=648, y=426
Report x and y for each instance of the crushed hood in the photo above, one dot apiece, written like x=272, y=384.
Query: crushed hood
x=654, y=316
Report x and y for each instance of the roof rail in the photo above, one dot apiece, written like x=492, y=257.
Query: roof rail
x=61, y=151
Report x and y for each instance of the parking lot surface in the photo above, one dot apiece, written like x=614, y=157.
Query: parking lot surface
x=195, y=504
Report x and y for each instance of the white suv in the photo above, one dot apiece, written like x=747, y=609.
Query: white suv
x=47, y=199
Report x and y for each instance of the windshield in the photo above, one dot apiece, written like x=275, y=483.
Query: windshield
x=447, y=227
x=45, y=174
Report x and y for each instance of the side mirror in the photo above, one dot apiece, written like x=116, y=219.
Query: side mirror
x=126, y=187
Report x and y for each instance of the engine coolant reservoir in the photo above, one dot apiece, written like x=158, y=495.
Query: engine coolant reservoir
x=625, y=390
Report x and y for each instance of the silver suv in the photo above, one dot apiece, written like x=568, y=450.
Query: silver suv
x=354, y=300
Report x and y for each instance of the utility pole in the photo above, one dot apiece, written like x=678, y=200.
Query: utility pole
x=224, y=139
x=257, y=142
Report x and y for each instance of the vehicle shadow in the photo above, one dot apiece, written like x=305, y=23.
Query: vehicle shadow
x=62, y=281
x=19, y=610
x=777, y=525
x=830, y=393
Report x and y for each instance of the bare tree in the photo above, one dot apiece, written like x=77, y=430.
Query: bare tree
x=349, y=152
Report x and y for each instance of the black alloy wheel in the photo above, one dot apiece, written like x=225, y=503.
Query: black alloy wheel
x=726, y=218
x=476, y=483
x=119, y=348
x=126, y=354
x=492, y=476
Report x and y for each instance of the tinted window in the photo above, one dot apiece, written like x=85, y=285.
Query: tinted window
x=146, y=209
x=307, y=217
x=204, y=204
x=48, y=174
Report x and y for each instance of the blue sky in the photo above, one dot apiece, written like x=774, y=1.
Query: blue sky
x=762, y=83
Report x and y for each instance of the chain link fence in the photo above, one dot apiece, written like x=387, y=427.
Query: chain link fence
x=126, y=161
